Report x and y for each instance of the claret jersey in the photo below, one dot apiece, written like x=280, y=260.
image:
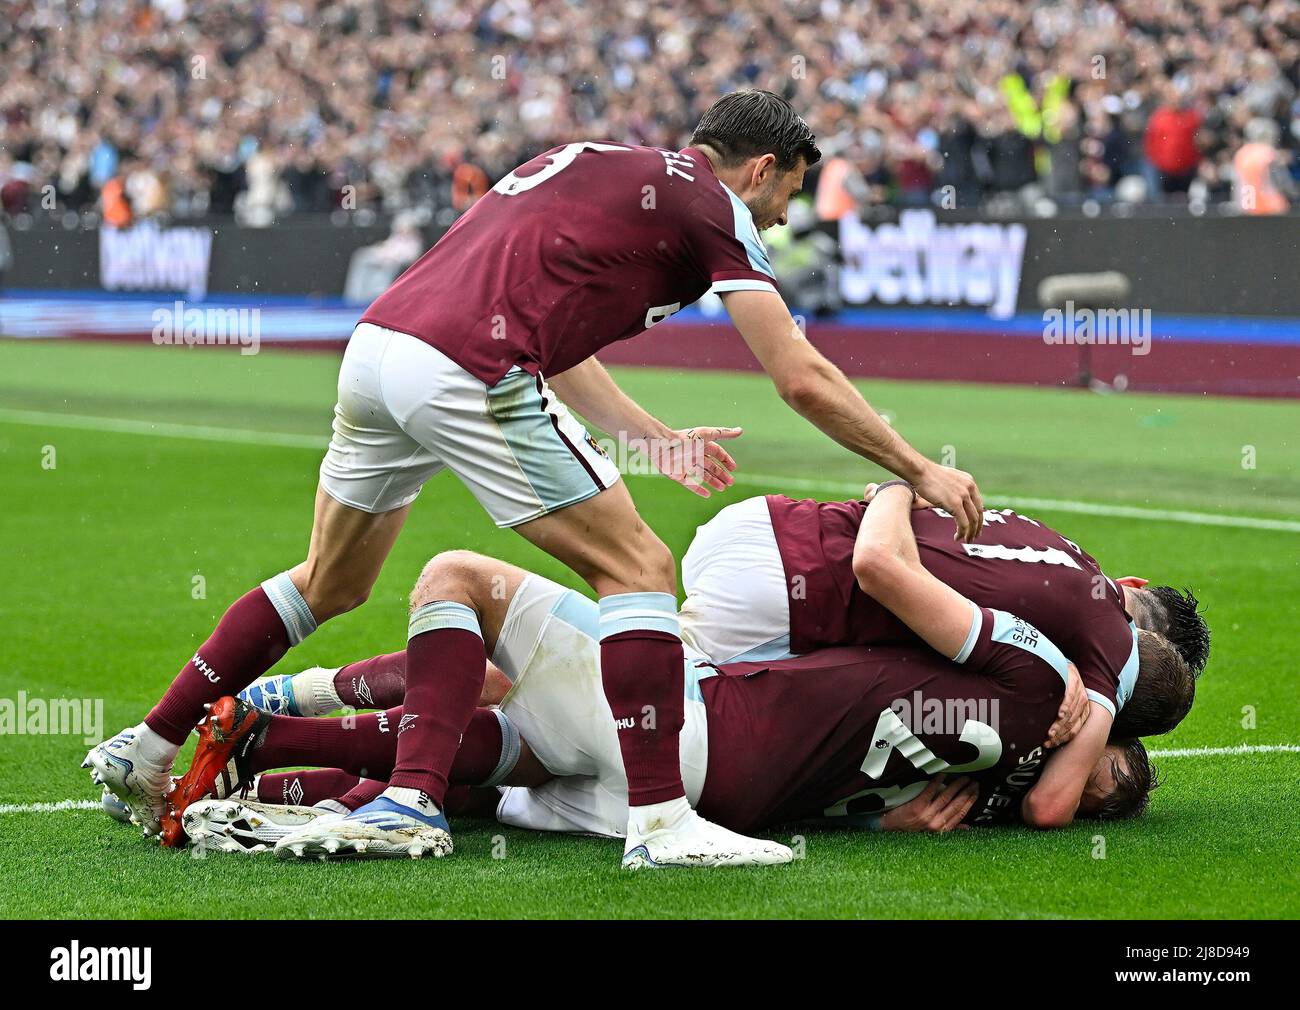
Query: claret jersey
x=585, y=245
x=1016, y=564
x=843, y=733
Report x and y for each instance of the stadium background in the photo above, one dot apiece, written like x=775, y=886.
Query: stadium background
x=291, y=158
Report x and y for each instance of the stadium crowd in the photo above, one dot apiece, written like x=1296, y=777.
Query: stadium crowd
x=179, y=107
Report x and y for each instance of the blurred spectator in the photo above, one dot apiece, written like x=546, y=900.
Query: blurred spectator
x=1170, y=142
x=114, y=203
x=374, y=267
x=392, y=104
x=1260, y=170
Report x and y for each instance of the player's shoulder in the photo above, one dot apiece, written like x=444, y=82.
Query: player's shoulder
x=1012, y=637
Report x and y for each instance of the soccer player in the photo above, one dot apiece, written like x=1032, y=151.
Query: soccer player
x=585, y=245
x=851, y=735
x=768, y=577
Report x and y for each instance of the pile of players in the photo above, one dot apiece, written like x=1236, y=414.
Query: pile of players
x=928, y=689
x=908, y=660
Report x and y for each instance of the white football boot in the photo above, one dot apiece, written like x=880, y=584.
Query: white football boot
x=140, y=785
x=382, y=829
x=245, y=825
x=681, y=837
x=114, y=807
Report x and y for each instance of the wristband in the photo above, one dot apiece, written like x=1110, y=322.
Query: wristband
x=901, y=483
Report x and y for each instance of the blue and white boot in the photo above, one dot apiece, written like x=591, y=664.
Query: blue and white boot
x=309, y=693
x=382, y=829
x=138, y=784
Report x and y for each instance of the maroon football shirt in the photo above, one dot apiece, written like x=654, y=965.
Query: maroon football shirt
x=582, y=246
x=843, y=733
x=1016, y=564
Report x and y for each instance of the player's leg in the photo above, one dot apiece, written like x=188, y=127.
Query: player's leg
x=604, y=540
x=375, y=683
x=371, y=473
x=457, y=609
x=347, y=550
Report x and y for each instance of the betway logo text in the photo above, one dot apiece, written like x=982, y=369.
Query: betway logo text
x=921, y=262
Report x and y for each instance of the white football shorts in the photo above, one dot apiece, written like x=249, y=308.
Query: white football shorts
x=737, y=607
x=405, y=411
x=549, y=648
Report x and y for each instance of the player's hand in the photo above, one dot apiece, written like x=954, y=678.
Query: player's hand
x=955, y=491
x=1073, y=712
x=694, y=458
x=940, y=807
x=869, y=495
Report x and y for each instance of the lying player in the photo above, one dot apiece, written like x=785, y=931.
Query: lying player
x=768, y=577
x=739, y=567
x=587, y=244
x=818, y=736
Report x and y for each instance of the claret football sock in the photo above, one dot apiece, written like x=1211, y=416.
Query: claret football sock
x=445, y=666
x=379, y=682
x=361, y=794
x=489, y=750
x=251, y=637
x=304, y=789
x=363, y=745
x=641, y=668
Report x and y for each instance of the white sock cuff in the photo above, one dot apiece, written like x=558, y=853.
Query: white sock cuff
x=292, y=608
x=511, y=747
x=324, y=695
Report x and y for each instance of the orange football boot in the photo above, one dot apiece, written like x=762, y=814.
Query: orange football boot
x=220, y=765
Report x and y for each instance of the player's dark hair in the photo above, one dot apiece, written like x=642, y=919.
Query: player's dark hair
x=1135, y=779
x=1162, y=694
x=747, y=124
x=1173, y=614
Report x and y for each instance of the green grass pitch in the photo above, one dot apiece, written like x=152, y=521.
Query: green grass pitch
x=101, y=551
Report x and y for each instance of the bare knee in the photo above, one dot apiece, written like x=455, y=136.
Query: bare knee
x=451, y=575
x=327, y=597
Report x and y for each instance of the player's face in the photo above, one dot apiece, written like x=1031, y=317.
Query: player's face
x=773, y=194
x=1101, y=783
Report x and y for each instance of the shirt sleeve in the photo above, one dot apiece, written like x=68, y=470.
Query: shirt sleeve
x=999, y=643
x=1110, y=673
x=726, y=245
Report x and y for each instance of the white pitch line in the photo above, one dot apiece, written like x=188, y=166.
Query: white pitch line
x=1177, y=752
x=1240, y=749
x=1047, y=504
x=211, y=433
x=163, y=429
x=50, y=808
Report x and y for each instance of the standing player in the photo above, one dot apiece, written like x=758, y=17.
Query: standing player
x=585, y=245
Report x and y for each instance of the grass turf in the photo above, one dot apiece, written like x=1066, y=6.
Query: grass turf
x=102, y=552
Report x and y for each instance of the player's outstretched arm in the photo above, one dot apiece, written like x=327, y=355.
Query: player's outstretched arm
x=889, y=570
x=692, y=457
x=1054, y=798
x=818, y=391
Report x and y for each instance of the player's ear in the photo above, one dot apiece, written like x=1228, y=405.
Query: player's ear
x=764, y=169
